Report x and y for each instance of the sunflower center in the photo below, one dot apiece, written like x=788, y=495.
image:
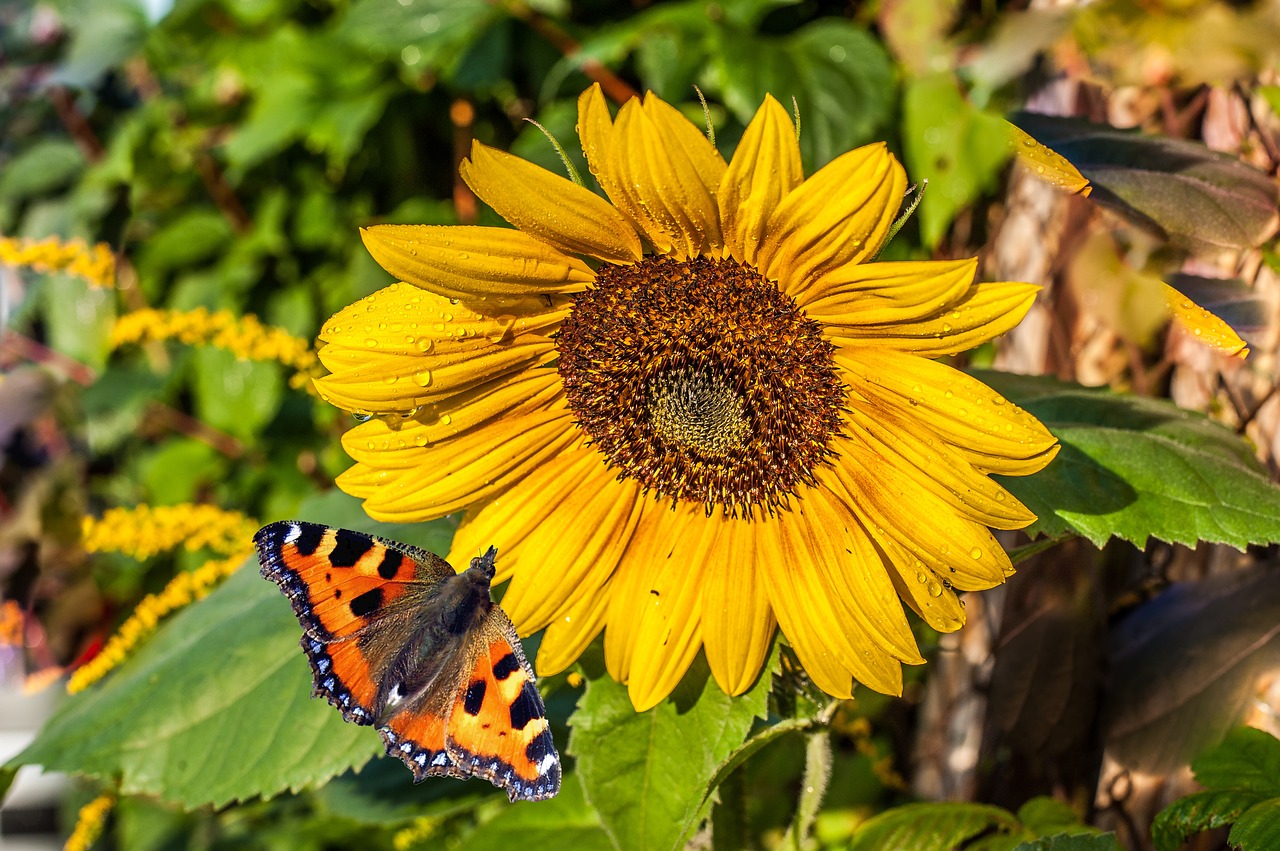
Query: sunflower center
x=702, y=381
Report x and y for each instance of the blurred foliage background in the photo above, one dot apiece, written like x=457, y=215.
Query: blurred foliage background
x=228, y=151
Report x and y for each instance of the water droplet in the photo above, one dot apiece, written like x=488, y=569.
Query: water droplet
x=371, y=343
x=975, y=552
x=446, y=419
x=423, y=378
x=921, y=577
x=424, y=344
x=935, y=589
x=363, y=417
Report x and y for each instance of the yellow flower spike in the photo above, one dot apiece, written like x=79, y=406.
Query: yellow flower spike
x=419, y=831
x=95, y=263
x=90, y=823
x=696, y=447
x=144, y=531
x=1046, y=163
x=245, y=337
x=1203, y=325
x=182, y=590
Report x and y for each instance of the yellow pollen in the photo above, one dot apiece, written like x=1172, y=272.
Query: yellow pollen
x=699, y=410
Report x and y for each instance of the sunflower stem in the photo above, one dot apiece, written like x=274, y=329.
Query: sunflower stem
x=817, y=774
x=730, y=827
x=1026, y=551
x=561, y=152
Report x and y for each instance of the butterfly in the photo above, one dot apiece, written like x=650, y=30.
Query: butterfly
x=400, y=641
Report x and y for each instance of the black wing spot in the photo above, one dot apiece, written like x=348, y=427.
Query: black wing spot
x=348, y=547
x=391, y=561
x=475, y=698
x=367, y=603
x=506, y=666
x=527, y=707
x=308, y=538
x=540, y=748
x=337, y=593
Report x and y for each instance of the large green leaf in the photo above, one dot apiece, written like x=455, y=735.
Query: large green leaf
x=839, y=74
x=1183, y=190
x=1247, y=760
x=1194, y=813
x=1073, y=842
x=1140, y=468
x=235, y=395
x=215, y=707
x=646, y=773
x=1258, y=829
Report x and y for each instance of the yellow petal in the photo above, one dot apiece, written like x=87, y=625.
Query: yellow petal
x=682, y=135
x=569, y=635
x=986, y=312
x=669, y=632
x=879, y=488
x=651, y=545
x=765, y=167
x=993, y=434
x=737, y=623
x=861, y=588
x=1046, y=163
x=432, y=481
x=1203, y=325
x=595, y=129
x=475, y=263
x=920, y=587
x=573, y=219
x=575, y=549
x=656, y=184
x=839, y=216
x=885, y=293
x=926, y=458
x=401, y=348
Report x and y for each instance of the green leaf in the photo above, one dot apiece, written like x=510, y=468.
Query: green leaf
x=237, y=396
x=566, y=821
x=1182, y=190
x=215, y=707
x=1073, y=842
x=195, y=236
x=1194, y=813
x=838, y=73
x=78, y=318
x=952, y=144
x=1044, y=815
x=647, y=773
x=1223, y=631
x=104, y=35
x=1140, y=468
x=1248, y=760
x=930, y=827
x=1258, y=829
x=434, y=34
x=378, y=795
x=44, y=167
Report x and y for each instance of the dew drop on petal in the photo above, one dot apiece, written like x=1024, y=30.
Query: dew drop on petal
x=422, y=379
x=975, y=552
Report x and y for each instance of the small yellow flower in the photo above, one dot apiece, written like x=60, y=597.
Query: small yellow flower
x=90, y=823
x=244, y=336
x=183, y=590
x=693, y=411
x=144, y=531
x=96, y=264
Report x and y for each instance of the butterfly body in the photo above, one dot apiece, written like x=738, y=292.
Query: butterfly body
x=400, y=641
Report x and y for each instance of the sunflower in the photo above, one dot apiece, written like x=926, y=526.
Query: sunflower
x=694, y=412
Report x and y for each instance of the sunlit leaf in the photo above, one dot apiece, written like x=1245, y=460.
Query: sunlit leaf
x=930, y=827
x=1181, y=190
x=1138, y=468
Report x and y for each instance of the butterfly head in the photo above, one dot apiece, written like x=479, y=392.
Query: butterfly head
x=484, y=564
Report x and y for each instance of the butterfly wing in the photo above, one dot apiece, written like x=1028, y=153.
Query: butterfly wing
x=348, y=590
x=498, y=727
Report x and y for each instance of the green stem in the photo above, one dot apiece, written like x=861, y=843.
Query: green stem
x=817, y=774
